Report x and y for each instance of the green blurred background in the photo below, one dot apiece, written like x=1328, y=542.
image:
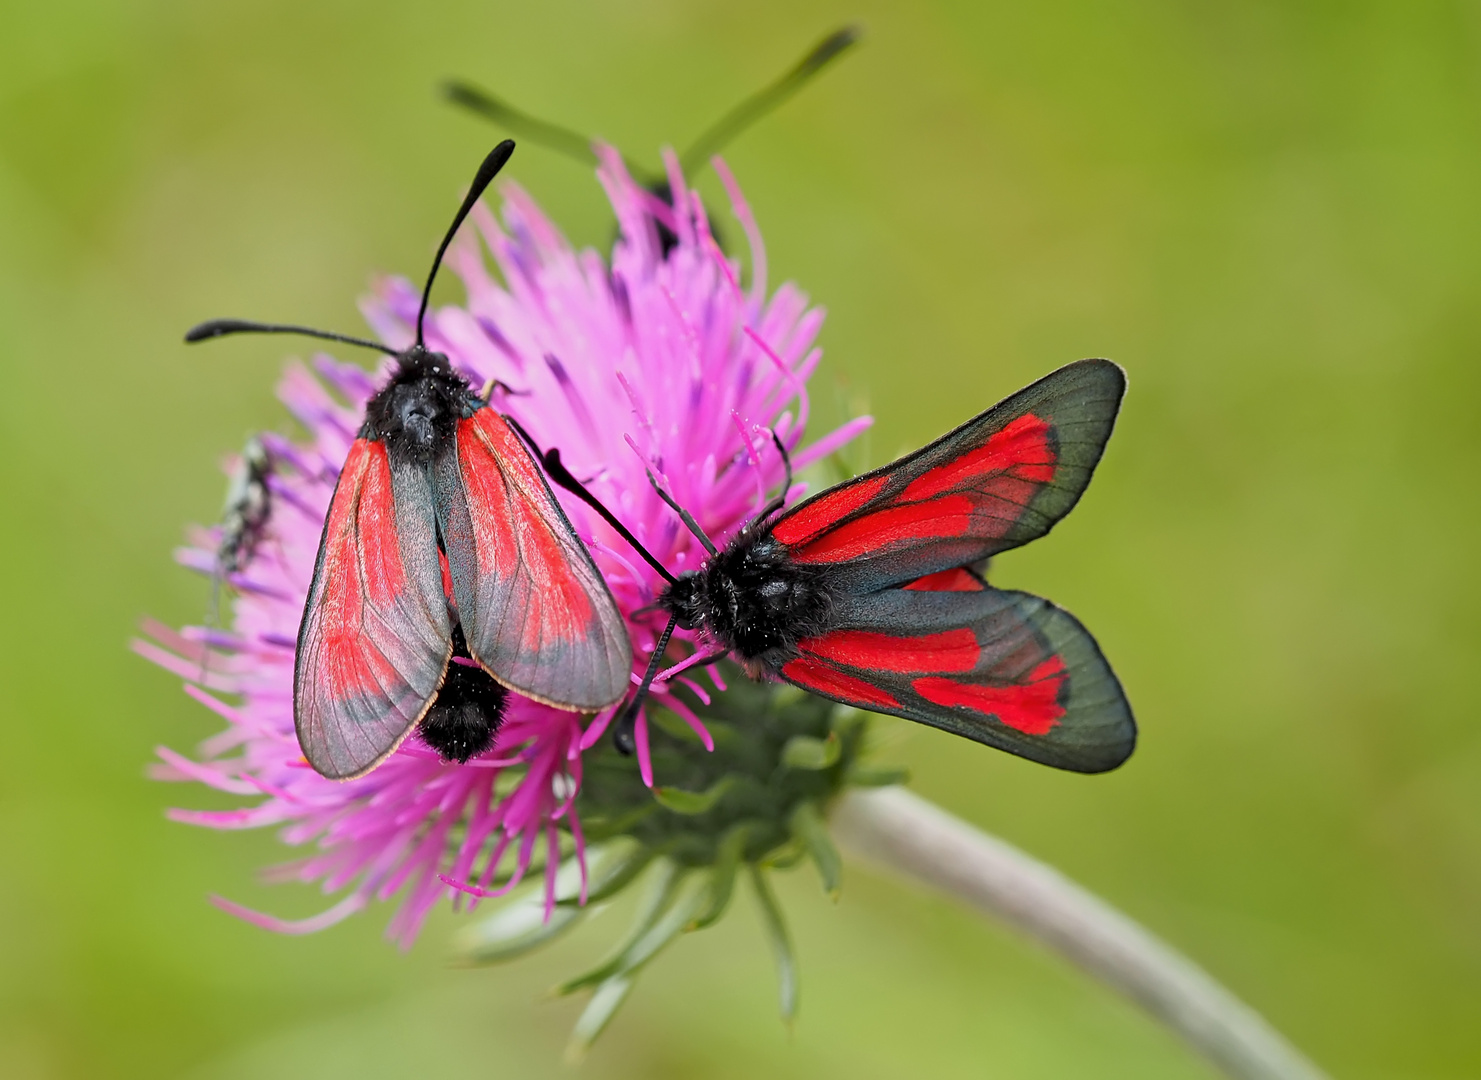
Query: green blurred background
x=1268, y=212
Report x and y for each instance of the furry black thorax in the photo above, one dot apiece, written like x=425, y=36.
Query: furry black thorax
x=468, y=710
x=416, y=413
x=753, y=599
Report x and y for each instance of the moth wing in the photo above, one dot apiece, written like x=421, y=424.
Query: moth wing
x=376, y=636
x=1000, y=480
x=535, y=610
x=1003, y=668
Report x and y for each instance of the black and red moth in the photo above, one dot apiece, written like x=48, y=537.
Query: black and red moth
x=443, y=546
x=872, y=593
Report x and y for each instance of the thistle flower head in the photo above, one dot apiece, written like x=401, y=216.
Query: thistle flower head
x=660, y=361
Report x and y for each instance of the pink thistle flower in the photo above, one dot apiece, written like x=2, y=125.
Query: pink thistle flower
x=660, y=361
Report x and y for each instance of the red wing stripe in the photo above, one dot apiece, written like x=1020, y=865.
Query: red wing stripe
x=957, y=580
x=362, y=532
x=535, y=609
x=369, y=518
x=375, y=527
x=980, y=493
x=812, y=518
x=1021, y=450
x=950, y=650
x=945, y=516
x=1032, y=707
x=496, y=548
x=560, y=606
x=825, y=680
x=374, y=638
x=447, y=576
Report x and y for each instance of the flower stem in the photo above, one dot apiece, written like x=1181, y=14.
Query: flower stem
x=894, y=828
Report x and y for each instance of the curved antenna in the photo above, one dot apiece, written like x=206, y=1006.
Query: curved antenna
x=684, y=515
x=215, y=328
x=556, y=469
x=540, y=132
x=768, y=98
x=622, y=731
x=781, y=499
x=481, y=180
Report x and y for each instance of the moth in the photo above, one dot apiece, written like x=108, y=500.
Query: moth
x=872, y=593
x=447, y=574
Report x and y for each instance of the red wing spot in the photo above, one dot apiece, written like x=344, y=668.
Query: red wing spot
x=949, y=515
x=959, y=579
x=355, y=668
x=812, y=675
x=1021, y=451
x=1032, y=707
x=810, y=519
x=950, y=650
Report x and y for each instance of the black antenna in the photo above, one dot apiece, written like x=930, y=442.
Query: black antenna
x=781, y=499
x=763, y=101
x=684, y=515
x=481, y=180
x=557, y=471
x=622, y=732
x=215, y=328
x=551, y=136
x=541, y=132
x=221, y=327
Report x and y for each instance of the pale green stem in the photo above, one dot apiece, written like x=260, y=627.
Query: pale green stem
x=894, y=828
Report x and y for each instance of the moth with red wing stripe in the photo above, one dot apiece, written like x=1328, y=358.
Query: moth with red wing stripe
x=443, y=545
x=870, y=592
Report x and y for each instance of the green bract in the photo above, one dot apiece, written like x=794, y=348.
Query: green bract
x=757, y=803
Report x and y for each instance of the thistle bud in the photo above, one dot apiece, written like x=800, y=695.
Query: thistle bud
x=756, y=804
